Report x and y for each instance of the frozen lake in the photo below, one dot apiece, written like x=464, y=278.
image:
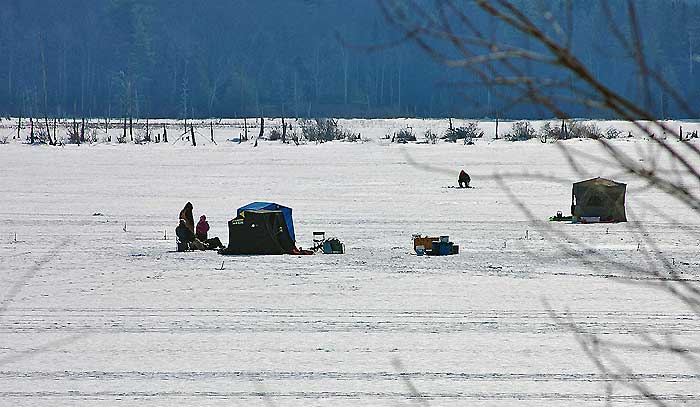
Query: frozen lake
x=99, y=315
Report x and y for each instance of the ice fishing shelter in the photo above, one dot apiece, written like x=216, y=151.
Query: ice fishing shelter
x=600, y=199
x=270, y=206
x=261, y=228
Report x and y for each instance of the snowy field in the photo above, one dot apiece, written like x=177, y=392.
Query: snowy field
x=98, y=309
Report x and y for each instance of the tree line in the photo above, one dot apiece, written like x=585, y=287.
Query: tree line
x=301, y=58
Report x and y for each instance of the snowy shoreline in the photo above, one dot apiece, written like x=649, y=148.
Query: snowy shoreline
x=369, y=129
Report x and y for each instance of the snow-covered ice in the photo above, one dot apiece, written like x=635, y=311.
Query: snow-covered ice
x=103, y=316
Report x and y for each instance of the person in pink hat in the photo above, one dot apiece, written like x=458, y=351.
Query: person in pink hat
x=202, y=228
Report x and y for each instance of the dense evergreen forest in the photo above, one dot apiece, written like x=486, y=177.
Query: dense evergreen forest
x=232, y=58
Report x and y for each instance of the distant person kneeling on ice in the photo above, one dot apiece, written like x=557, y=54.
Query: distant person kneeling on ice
x=201, y=234
x=464, y=180
x=186, y=240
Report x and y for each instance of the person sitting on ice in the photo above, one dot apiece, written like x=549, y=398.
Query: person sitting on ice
x=203, y=230
x=464, y=179
x=186, y=240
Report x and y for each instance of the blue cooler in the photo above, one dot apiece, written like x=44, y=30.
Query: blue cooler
x=442, y=248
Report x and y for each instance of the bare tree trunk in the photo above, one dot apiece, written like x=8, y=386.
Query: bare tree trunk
x=48, y=131
x=148, y=134
x=563, y=133
x=131, y=129
x=284, y=131
x=31, y=131
x=9, y=74
x=262, y=129
x=55, y=138
x=82, y=130
x=245, y=129
x=19, y=126
x=381, y=86
x=317, y=73
x=194, y=142
x=165, y=134
x=296, y=95
x=691, y=59
x=75, y=132
x=44, y=77
x=346, y=62
x=124, y=134
x=496, y=127
x=399, y=81
x=211, y=130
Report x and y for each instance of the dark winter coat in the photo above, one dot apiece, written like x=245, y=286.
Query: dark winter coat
x=184, y=234
x=186, y=214
x=464, y=178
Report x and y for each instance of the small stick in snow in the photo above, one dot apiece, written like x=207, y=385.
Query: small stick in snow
x=125, y=226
